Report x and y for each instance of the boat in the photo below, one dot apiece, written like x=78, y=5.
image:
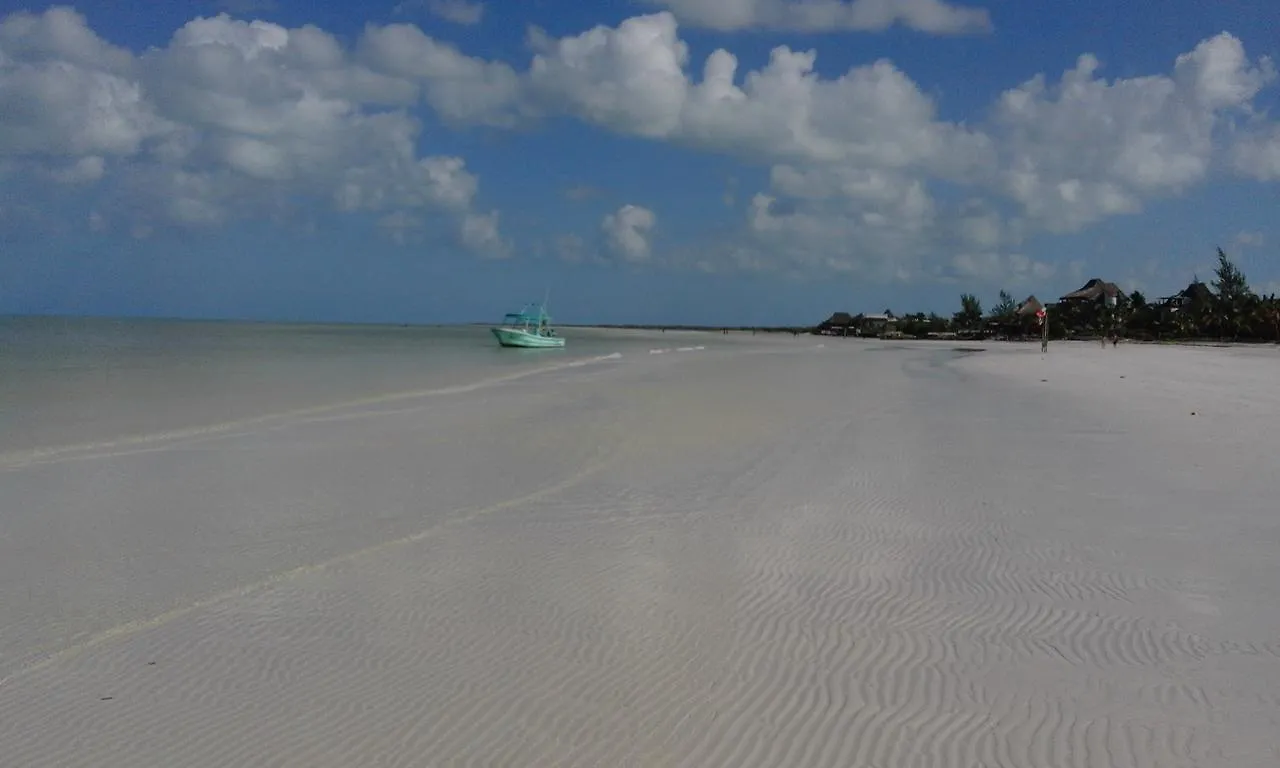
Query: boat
x=530, y=329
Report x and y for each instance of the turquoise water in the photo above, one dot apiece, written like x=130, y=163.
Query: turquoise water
x=67, y=381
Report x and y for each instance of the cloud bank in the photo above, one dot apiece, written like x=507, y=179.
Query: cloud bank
x=235, y=119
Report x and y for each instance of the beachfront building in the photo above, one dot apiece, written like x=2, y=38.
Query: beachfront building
x=1195, y=295
x=876, y=325
x=1029, y=307
x=844, y=324
x=1096, y=290
x=1021, y=324
x=1090, y=310
x=839, y=324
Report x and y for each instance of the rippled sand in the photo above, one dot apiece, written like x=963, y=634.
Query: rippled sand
x=854, y=555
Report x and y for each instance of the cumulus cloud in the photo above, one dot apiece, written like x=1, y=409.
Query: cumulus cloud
x=933, y=16
x=461, y=89
x=627, y=232
x=455, y=11
x=1085, y=148
x=630, y=79
x=633, y=79
x=83, y=171
x=1257, y=154
x=480, y=233
x=235, y=119
x=855, y=156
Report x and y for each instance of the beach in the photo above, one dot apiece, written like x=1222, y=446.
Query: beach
x=668, y=550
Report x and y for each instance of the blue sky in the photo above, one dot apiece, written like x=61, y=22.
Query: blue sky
x=443, y=161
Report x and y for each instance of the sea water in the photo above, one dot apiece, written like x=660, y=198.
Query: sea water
x=68, y=381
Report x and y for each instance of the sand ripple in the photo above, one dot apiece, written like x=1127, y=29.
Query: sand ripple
x=742, y=579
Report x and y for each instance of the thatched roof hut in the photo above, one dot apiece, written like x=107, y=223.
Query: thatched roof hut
x=1030, y=306
x=838, y=320
x=1095, y=289
x=1195, y=294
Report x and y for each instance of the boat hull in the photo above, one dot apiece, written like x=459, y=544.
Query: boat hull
x=514, y=337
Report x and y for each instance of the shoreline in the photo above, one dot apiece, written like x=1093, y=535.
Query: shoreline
x=883, y=554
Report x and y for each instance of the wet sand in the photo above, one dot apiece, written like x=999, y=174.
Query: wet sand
x=862, y=554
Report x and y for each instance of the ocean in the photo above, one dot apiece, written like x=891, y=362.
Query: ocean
x=67, y=381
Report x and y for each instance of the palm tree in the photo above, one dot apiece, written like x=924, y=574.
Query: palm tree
x=1233, y=299
x=970, y=314
x=1004, y=308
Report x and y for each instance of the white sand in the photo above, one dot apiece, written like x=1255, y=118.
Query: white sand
x=851, y=556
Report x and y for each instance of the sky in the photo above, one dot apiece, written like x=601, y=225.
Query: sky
x=684, y=161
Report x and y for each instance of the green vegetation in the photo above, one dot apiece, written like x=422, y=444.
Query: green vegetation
x=1226, y=309
x=1005, y=309
x=969, y=317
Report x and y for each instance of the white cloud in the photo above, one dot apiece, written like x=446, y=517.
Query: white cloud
x=1011, y=270
x=630, y=79
x=83, y=171
x=457, y=11
x=881, y=225
x=845, y=219
x=460, y=88
x=480, y=233
x=1087, y=149
x=58, y=108
x=934, y=16
x=868, y=144
x=1257, y=154
x=59, y=35
x=236, y=119
x=627, y=232
x=1249, y=239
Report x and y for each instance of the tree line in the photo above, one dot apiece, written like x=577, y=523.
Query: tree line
x=1226, y=309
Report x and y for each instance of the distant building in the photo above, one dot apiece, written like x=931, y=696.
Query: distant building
x=1029, y=307
x=1097, y=290
x=844, y=324
x=839, y=324
x=1194, y=295
x=875, y=325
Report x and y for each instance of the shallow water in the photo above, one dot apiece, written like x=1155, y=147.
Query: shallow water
x=71, y=380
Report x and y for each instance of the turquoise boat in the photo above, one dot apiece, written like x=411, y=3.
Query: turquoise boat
x=528, y=329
